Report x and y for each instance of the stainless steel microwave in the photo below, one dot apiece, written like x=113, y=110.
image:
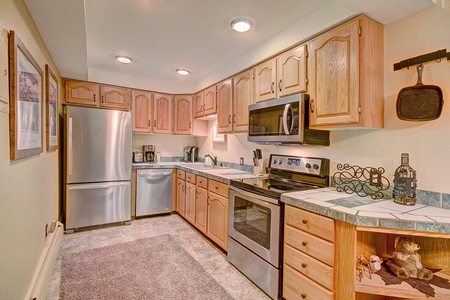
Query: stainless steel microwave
x=283, y=121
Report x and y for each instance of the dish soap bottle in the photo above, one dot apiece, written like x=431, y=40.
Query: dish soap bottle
x=405, y=183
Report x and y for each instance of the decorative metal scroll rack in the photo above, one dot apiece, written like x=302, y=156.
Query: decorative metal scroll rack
x=436, y=56
x=362, y=181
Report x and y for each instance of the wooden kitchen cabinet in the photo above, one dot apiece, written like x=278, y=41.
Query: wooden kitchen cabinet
x=184, y=122
x=162, y=113
x=224, y=106
x=189, y=213
x=217, y=229
x=282, y=75
x=142, y=107
x=181, y=193
x=346, y=76
x=242, y=98
x=81, y=93
x=201, y=204
x=115, y=97
x=205, y=102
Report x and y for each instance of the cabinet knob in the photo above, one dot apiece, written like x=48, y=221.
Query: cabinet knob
x=303, y=296
x=304, y=243
x=304, y=265
x=304, y=221
x=311, y=105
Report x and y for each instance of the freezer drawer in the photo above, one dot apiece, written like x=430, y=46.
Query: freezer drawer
x=154, y=192
x=98, y=203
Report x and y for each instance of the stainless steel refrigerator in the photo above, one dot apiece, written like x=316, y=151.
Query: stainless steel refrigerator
x=97, y=166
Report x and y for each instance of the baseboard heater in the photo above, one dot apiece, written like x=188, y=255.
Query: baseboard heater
x=44, y=270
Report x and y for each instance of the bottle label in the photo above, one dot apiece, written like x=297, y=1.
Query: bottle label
x=402, y=187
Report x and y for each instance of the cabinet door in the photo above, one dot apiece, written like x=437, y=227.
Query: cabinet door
x=190, y=203
x=334, y=77
x=181, y=197
x=162, y=113
x=198, y=104
x=224, y=106
x=142, y=111
x=291, y=71
x=209, y=101
x=82, y=93
x=265, y=77
x=243, y=97
x=115, y=97
x=217, y=229
x=201, y=209
x=182, y=114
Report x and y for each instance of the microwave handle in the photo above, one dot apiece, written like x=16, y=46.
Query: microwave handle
x=285, y=124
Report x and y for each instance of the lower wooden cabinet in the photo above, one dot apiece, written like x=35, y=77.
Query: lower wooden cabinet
x=181, y=193
x=189, y=212
x=201, y=204
x=217, y=229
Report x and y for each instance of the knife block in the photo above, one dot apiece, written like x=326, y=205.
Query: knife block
x=259, y=168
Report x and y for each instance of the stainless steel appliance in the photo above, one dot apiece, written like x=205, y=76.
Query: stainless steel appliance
x=256, y=216
x=98, y=166
x=190, y=153
x=284, y=121
x=154, y=192
x=149, y=153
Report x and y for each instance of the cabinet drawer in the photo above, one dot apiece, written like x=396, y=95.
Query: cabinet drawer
x=309, y=244
x=202, y=182
x=310, y=267
x=190, y=177
x=296, y=286
x=312, y=223
x=181, y=174
x=218, y=188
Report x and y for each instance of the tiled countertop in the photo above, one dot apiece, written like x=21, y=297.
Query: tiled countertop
x=364, y=211
x=219, y=174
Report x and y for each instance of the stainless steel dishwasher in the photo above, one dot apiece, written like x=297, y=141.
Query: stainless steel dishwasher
x=153, y=192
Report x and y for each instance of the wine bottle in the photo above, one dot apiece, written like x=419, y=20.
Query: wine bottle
x=405, y=183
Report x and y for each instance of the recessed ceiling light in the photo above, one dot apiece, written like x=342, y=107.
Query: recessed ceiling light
x=241, y=24
x=124, y=59
x=183, y=72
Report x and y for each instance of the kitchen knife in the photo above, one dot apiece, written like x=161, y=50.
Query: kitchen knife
x=258, y=154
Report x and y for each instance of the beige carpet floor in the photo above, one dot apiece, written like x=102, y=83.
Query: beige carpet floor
x=151, y=268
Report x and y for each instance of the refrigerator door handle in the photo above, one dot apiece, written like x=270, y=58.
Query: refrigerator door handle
x=92, y=186
x=69, y=149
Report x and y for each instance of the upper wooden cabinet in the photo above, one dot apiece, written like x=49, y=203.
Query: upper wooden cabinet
x=162, y=113
x=282, y=75
x=115, y=97
x=142, y=106
x=346, y=76
x=205, y=102
x=97, y=95
x=81, y=93
x=242, y=98
x=182, y=114
x=224, y=106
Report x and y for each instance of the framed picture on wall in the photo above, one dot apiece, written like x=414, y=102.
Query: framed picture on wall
x=26, y=105
x=51, y=109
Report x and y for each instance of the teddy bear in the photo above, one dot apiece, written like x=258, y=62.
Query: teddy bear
x=406, y=262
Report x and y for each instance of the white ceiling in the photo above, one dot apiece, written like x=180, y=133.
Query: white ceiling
x=84, y=36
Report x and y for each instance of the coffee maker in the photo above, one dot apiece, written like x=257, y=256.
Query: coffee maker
x=190, y=153
x=149, y=153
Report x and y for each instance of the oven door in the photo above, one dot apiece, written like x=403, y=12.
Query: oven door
x=254, y=222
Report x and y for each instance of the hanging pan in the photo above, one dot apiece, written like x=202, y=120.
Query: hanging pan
x=419, y=102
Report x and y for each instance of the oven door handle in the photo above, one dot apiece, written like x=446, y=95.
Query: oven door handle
x=288, y=108
x=261, y=200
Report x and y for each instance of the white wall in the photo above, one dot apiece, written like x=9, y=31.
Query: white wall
x=28, y=187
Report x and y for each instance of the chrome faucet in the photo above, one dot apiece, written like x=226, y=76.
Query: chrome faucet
x=213, y=158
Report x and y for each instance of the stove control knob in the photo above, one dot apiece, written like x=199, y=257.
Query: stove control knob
x=274, y=162
x=280, y=161
x=315, y=166
x=308, y=165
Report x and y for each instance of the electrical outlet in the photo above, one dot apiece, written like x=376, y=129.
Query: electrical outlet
x=375, y=178
x=241, y=161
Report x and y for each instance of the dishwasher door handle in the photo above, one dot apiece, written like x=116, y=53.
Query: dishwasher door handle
x=154, y=175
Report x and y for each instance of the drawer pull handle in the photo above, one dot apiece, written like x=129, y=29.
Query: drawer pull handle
x=303, y=296
x=304, y=265
x=304, y=243
x=304, y=221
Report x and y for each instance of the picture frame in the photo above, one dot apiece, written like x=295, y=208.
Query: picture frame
x=51, y=109
x=217, y=137
x=26, y=105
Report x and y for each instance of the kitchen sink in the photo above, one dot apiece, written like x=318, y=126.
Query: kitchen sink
x=203, y=166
